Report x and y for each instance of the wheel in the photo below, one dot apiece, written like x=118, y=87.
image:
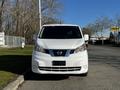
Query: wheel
x=84, y=74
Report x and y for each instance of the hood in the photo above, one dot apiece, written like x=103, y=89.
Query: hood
x=60, y=43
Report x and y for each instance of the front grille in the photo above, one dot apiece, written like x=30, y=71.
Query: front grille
x=59, y=52
x=60, y=69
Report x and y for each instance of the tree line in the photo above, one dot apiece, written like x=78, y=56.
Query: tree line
x=101, y=25
x=21, y=17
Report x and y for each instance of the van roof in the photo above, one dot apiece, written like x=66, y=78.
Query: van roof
x=60, y=25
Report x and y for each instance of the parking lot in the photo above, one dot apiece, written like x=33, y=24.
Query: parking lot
x=104, y=74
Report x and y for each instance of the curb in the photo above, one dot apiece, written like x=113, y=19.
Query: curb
x=15, y=84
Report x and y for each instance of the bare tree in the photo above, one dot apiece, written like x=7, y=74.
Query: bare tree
x=51, y=9
x=88, y=31
x=117, y=21
x=21, y=17
x=100, y=25
x=2, y=2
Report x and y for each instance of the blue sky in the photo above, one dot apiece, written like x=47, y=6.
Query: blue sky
x=83, y=12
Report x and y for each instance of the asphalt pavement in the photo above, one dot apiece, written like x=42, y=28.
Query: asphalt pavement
x=104, y=74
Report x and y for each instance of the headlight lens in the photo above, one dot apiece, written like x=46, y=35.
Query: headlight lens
x=81, y=48
x=39, y=49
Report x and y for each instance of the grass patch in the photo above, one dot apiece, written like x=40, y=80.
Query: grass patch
x=5, y=78
x=16, y=51
x=13, y=62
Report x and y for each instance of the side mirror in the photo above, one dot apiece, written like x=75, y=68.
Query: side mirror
x=86, y=37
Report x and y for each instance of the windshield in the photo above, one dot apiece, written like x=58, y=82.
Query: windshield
x=61, y=32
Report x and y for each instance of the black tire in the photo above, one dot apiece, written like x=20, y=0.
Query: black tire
x=84, y=74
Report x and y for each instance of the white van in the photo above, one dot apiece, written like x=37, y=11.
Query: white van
x=60, y=49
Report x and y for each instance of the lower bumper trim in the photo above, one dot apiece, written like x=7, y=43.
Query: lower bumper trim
x=60, y=69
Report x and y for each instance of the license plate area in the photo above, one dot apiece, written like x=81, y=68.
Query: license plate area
x=59, y=63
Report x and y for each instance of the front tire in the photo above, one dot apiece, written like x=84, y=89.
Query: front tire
x=84, y=74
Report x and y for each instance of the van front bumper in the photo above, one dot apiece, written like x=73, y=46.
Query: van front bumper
x=75, y=63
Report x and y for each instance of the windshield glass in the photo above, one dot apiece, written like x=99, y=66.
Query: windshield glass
x=61, y=32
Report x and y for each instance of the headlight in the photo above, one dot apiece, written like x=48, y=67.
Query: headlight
x=80, y=49
x=39, y=49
